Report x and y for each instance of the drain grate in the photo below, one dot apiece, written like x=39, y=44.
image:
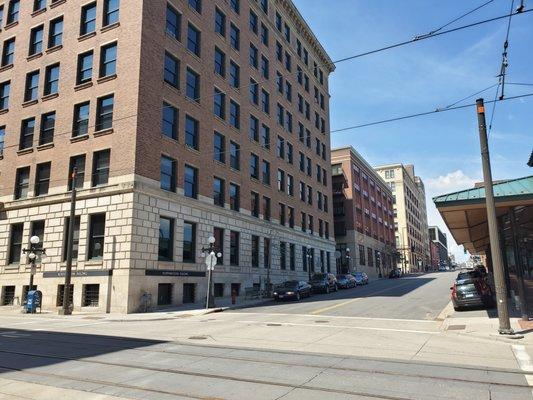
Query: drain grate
x=456, y=327
x=321, y=322
x=198, y=338
x=273, y=324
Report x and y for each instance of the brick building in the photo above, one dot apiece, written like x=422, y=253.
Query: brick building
x=437, y=237
x=362, y=212
x=184, y=119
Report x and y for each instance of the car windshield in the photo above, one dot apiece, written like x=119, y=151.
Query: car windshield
x=467, y=275
x=289, y=284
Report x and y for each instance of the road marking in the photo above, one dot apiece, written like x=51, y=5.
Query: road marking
x=364, y=328
x=521, y=355
x=321, y=310
x=371, y=294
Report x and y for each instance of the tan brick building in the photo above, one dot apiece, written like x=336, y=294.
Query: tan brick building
x=363, y=216
x=184, y=119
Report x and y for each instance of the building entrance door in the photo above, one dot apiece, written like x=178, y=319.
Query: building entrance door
x=189, y=292
x=164, y=294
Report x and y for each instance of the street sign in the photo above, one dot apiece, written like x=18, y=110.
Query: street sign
x=211, y=261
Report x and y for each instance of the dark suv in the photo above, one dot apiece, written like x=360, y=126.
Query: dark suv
x=471, y=290
x=324, y=283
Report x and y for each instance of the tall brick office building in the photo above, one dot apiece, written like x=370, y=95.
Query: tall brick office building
x=185, y=119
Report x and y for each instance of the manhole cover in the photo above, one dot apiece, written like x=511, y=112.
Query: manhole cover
x=321, y=322
x=273, y=324
x=456, y=327
x=198, y=338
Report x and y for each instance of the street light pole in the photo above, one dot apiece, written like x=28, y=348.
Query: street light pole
x=309, y=261
x=65, y=309
x=497, y=263
x=33, y=251
x=348, y=257
x=211, y=260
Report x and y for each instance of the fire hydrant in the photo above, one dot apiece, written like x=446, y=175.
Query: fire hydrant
x=233, y=296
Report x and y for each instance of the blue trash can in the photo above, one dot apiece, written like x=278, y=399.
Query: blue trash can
x=33, y=301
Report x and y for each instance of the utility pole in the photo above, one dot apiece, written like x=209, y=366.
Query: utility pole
x=497, y=263
x=66, y=310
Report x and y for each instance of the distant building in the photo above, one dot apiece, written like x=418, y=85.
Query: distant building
x=363, y=215
x=434, y=255
x=439, y=239
x=410, y=215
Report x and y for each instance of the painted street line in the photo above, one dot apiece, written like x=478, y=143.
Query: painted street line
x=324, y=309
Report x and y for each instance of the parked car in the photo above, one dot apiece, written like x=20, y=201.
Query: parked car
x=395, y=273
x=481, y=269
x=324, y=283
x=292, y=290
x=346, y=281
x=471, y=289
x=361, y=278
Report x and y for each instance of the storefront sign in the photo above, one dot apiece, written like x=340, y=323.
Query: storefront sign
x=163, y=272
x=78, y=274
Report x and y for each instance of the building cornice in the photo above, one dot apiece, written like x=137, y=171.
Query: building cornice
x=305, y=32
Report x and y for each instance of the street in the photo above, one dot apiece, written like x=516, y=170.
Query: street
x=380, y=341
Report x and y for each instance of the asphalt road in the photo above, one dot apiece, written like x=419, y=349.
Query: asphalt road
x=420, y=297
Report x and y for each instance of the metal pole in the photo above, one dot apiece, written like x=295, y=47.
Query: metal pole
x=210, y=297
x=66, y=310
x=518, y=266
x=499, y=277
x=33, y=268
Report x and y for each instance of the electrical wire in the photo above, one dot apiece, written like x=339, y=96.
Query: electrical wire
x=438, y=110
x=468, y=97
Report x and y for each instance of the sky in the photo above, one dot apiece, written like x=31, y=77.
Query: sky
x=422, y=77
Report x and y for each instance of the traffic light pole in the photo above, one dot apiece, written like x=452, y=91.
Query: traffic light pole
x=497, y=262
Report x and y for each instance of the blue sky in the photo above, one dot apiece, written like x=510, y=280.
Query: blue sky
x=421, y=77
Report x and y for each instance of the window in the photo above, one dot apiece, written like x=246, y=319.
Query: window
x=169, y=124
x=235, y=157
x=220, y=62
x=85, y=68
x=191, y=132
x=254, y=166
x=171, y=73
x=26, y=133
x=189, y=242
x=282, y=214
x=288, y=33
x=265, y=101
x=266, y=252
x=280, y=147
x=218, y=233
x=36, y=40
x=90, y=295
x=264, y=6
x=196, y=5
x=265, y=136
x=192, y=90
x=279, y=81
x=193, y=40
x=234, y=75
x=302, y=191
x=281, y=180
x=88, y=19
x=254, y=92
x=219, y=147
x=48, y=122
x=266, y=208
x=220, y=22
x=2, y=139
x=38, y=5
x=266, y=172
x=288, y=91
x=77, y=162
x=234, y=248
x=22, y=183
x=253, y=132
x=51, y=79
x=264, y=67
x=278, y=21
x=234, y=197
x=111, y=12
x=5, y=88
x=234, y=114
x=13, y=11
x=55, y=36
x=255, y=251
x=254, y=204
x=290, y=185
x=108, y=60
x=75, y=238
x=104, y=113
x=166, y=239
x=101, y=167
x=96, y=236
x=254, y=56
x=291, y=216
x=279, y=52
x=235, y=5
x=253, y=22
x=290, y=153
x=310, y=223
x=81, y=120
x=219, y=104
x=234, y=37
x=173, y=23
x=61, y=295
x=168, y=174
x=264, y=35
x=15, y=243
x=32, y=86
x=283, y=255
x=190, y=186
x=218, y=192
x=2, y=15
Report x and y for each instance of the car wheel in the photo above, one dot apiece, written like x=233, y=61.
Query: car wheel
x=298, y=298
x=457, y=308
